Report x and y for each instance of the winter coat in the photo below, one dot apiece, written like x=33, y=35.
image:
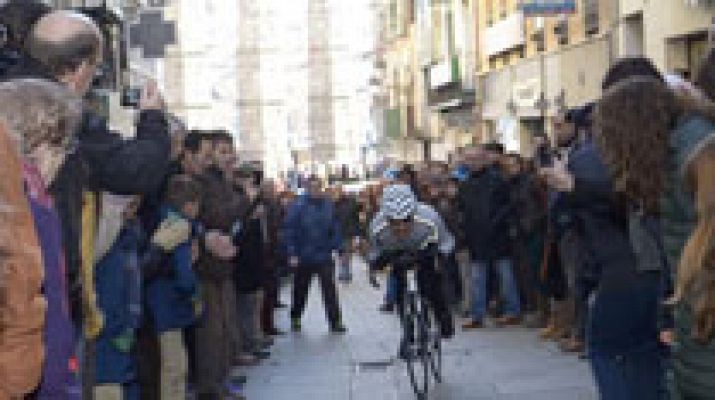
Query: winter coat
x=221, y=207
x=529, y=213
x=624, y=311
x=693, y=362
x=486, y=214
x=313, y=231
x=118, y=283
x=22, y=304
x=170, y=299
x=58, y=332
x=348, y=212
x=105, y=161
x=447, y=209
x=250, y=268
x=678, y=210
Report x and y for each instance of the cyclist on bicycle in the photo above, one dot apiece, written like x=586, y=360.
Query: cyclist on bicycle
x=408, y=234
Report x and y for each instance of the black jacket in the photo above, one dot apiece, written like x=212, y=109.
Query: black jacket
x=624, y=312
x=104, y=161
x=485, y=214
x=347, y=211
x=249, y=272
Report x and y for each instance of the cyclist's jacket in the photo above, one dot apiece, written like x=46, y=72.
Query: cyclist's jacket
x=428, y=229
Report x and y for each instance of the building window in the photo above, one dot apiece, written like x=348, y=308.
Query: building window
x=489, y=11
x=561, y=30
x=591, y=16
x=411, y=11
x=539, y=36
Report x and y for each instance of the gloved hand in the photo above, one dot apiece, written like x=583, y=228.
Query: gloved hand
x=125, y=341
x=406, y=260
x=171, y=233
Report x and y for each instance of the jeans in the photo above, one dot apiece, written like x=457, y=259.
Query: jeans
x=635, y=376
x=391, y=288
x=509, y=290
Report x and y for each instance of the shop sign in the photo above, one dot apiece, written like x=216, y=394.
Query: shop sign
x=548, y=7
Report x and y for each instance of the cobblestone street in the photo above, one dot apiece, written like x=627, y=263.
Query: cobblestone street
x=492, y=364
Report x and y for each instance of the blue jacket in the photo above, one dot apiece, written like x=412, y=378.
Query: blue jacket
x=171, y=299
x=312, y=230
x=118, y=283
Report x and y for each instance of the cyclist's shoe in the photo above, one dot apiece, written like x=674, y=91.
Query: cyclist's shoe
x=471, y=325
x=387, y=308
x=338, y=329
x=295, y=325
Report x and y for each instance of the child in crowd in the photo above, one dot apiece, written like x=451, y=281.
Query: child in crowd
x=173, y=298
x=118, y=284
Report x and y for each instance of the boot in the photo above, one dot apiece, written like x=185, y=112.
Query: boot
x=561, y=318
x=548, y=332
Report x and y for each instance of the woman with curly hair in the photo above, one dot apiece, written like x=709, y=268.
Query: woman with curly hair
x=650, y=134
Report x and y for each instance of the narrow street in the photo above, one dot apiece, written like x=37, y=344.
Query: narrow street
x=504, y=364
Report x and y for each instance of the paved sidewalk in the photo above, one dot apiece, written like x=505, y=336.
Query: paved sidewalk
x=492, y=364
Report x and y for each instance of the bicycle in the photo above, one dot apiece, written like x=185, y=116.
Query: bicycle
x=422, y=339
x=421, y=343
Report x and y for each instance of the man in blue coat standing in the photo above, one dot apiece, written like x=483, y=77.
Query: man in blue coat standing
x=313, y=235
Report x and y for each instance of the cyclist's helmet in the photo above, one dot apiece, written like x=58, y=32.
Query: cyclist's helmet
x=398, y=202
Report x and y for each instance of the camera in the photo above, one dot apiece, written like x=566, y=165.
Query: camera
x=130, y=97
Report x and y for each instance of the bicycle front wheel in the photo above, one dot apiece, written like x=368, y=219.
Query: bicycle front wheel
x=435, y=349
x=416, y=345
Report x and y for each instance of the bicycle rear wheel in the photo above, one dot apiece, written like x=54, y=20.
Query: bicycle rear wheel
x=417, y=351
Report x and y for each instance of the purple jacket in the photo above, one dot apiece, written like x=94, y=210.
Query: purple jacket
x=59, y=336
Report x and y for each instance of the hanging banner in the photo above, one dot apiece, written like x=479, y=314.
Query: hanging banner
x=548, y=7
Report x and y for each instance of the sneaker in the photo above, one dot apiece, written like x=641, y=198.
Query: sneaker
x=262, y=355
x=295, y=325
x=474, y=324
x=387, y=308
x=281, y=305
x=338, y=329
x=246, y=360
x=572, y=345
